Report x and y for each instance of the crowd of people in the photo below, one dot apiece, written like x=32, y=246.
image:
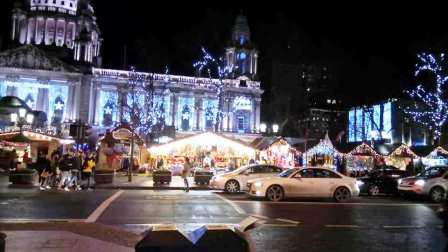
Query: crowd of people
x=71, y=171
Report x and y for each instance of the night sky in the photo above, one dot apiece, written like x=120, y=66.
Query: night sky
x=368, y=47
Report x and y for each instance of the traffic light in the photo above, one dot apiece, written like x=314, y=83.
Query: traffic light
x=87, y=132
x=74, y=130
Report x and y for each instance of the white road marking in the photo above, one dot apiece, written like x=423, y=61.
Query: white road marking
x=289, y=221
x=97, y=213
x=334, y=203
x=244, y=224
x=237, y=208
x=404, y=226
x=342, y=226
x=260, y=216
x=279, y=225
x=39, y=220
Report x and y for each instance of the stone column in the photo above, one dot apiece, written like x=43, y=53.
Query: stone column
x=174, y=110
x=257, y=114
x=230, y=115
x=199, y=110
x=14, y=25
x=225, y=110
x=97, y=96
x=70, y=103
x=252, y=116
x=78, y=101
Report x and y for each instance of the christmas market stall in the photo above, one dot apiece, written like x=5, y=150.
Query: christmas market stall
x=323, y=154
x=429, y=156
x=276, y=151
x=29, y=144
x=115, y=152
x=362, y=158
x=207, y=151
x=402, y=158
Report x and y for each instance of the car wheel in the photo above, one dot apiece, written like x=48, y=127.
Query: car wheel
x=275, y=193
x=437, y=194
x=342, y=194
x=232, y=186
x=374, y=190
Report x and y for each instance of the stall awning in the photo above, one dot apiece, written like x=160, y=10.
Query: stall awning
x=28, y=136
x=264, y=143
x=203, y=139
x=363, y=150
x=403, y=151
x=324, y=147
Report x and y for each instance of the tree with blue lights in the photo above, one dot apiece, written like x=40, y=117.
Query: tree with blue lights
x=430, y=107
x=214, y=67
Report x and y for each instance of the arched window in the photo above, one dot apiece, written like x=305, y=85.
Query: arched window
x=58, y=112
x=108, y=103
x=185, y=114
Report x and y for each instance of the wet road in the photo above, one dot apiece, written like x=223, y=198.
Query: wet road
x=365, y=224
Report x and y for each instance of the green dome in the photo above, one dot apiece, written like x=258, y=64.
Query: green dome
x=12, y=102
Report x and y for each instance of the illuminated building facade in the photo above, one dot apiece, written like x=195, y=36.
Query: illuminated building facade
x=68, y=90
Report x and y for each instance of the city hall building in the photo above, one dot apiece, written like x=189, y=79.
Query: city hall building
x=55, y=67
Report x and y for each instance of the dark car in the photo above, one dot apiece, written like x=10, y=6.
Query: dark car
x=384, y=180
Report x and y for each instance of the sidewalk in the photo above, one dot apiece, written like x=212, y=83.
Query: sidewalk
x=67, y=237
x=145, y=182
x=139, y=182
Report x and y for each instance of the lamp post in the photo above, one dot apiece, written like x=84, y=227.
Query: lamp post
x=22, y=118
x=269, y=130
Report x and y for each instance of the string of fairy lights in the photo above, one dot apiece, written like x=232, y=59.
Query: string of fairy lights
x=430, y=107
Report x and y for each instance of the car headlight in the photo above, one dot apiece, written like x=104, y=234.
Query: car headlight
x=258, y=184
x=399, y=181
x=420, y=182
x=359, y=183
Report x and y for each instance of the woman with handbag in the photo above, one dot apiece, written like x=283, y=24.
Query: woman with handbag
x=186, y=172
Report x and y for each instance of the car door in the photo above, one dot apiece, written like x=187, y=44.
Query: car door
x=252, y=172
x=389, y=184
x=302, y=183
x=324, y=183
x=269, y=171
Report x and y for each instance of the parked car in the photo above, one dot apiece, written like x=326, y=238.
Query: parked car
x=236, y=180
x=384, y=180
x=306, y=182
x=432, y=182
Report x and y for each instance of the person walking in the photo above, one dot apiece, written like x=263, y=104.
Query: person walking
x=46, y=172
x=186, y=172
x=54, y=167
x=65, y=166
x=75, y=171
x=88, y=169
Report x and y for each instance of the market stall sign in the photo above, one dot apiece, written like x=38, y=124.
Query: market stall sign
x=122, y=134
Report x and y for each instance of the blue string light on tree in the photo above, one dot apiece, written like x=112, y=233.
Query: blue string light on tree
x=215, y=67
x=430, y=107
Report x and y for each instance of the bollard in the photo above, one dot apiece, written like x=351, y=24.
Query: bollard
x=219, y=238
x=164, y=238
x=2, y=242
x=210, y=238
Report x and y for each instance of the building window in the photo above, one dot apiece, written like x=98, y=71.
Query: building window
x=210, y=107
x=185, y=113
x=108, y=108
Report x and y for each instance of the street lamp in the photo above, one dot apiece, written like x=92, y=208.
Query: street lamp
x=263, y=127
x=275, y=128
x=22, y=118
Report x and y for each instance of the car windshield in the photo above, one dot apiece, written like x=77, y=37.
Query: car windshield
x=433, y=172
x=241, y=169
x=286, y=173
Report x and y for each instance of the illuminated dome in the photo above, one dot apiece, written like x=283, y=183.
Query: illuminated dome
x=62, y=6
x=58, y=25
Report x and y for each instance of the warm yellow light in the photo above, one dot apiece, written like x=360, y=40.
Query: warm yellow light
x=206, y=139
